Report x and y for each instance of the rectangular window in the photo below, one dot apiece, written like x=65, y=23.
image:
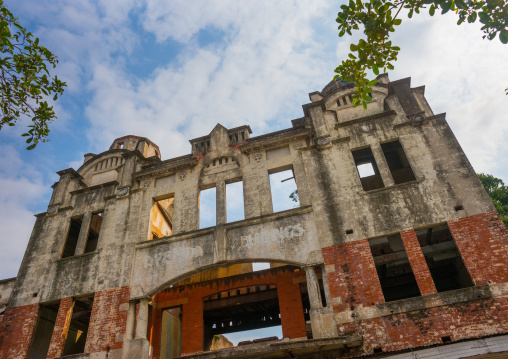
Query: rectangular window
x=397, y=162
x=93, y=232
x=393, y=268
x=367, y=169
x=443, y=258
x=162, y=218
x=234, y=202
x=72, y=237
x=284, y=191
x=207, y=208
x=78, y=327
x=45, y=325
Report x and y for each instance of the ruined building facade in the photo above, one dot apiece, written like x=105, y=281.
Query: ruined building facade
x=393, y=247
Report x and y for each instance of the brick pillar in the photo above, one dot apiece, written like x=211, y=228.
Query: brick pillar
x=352, y=275
x=16, y=330
x=108, y=320
x=291, y=309
x=63, y=320
x=192, y=326
x=482, y=240
x=155, y=336
x=418, y=262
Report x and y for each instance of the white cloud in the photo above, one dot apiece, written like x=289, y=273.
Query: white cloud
x=260, y=76
x=22, y=187
x=465, y=77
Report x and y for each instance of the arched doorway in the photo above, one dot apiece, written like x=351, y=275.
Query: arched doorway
x=229, y=306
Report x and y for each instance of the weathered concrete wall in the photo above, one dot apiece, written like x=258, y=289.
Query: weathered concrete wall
x=6, y=286
x=331, y=227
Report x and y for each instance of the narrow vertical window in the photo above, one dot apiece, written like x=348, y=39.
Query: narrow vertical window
x=284, y=191
x=72, y=237
x=234, y=202
x=162, y=218
x=367, y=169
x=78, y=327
x=207, y=208
x=93, y=232
x=397, y=162
x=42, y=336
x=443, y=258
x=393, y=268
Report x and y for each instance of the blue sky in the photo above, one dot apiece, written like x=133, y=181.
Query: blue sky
x=171, y=70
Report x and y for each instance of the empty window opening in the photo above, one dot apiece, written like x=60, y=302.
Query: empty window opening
x=93, y=232
x=393, y=268
x=78, y=327
x=443, y=258
x=72, y=237
x=171, y=333
x=162, y=218
x=119, y=145
x=249, y=315
x=207, y=208
x=397, y=162
x=234, y=202
x=367, y=169
x=44, y=330
x=283, y=188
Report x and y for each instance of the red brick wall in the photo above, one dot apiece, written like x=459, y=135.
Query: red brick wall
x=62, y=322
x=16, y=331
x=192, y=325
x=354, y=280
x=108, y=320
x=418, y=263
x=482, y=240
x=426, y=327
x=483, y=243
x=290, y=306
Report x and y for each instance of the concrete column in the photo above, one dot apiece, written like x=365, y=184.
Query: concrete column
x=328, y=294
x=142, y=325
x=131, y=320
x=220, y=192
x=382, y=166
x=83, y=234
x=313, y=289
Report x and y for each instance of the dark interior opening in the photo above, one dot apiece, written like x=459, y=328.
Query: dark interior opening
x=397, y=162
x=72, y=237
x=238, y=310
x=93, y=232
x=443, y=258
x=78, y=328
x=43, y=331
x=393, y=268
x=367, y=169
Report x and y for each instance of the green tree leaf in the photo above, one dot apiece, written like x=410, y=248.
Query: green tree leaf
x=25, y=81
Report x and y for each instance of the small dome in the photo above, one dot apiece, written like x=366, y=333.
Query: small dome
x=333, y=85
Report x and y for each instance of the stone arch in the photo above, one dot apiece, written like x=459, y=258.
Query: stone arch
x=290, y=239
x=178, y=278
